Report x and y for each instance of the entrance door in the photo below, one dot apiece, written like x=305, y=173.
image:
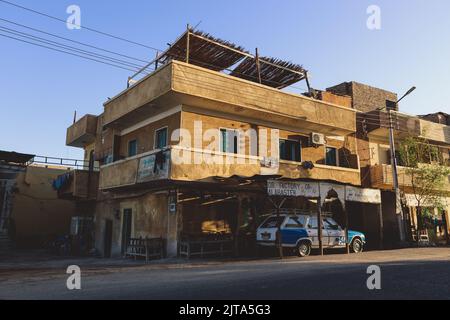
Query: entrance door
x=126, y=228
x=107, y=241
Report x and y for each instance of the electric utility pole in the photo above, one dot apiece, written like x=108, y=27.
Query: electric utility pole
x=394, y=164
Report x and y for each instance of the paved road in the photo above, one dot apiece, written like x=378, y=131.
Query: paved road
x=406, y=274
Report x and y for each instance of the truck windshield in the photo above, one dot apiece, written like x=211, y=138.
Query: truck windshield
x=273, y=222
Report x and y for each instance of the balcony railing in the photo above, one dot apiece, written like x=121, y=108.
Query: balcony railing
x=62, y=162
x=435, y=131
x=381, y=177
x=183, y=164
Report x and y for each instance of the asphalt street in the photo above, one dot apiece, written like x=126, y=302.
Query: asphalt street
x=405, y=274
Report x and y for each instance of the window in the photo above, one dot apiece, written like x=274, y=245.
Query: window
x=290, y=150
x=330, y=224
x=161, y=139
x=331, y=158
x=229, y=141
x=312, y=224
x=296, y=222
x=273, y=222
x=132, y=148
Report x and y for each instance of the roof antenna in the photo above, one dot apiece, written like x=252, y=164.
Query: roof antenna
x=75, y=117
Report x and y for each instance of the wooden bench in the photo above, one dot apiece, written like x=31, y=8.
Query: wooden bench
x=205, y=247
x=146, y=248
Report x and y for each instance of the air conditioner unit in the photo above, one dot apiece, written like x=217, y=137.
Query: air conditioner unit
x=318, y=139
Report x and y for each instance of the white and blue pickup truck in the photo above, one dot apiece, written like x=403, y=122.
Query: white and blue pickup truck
x=300, y=232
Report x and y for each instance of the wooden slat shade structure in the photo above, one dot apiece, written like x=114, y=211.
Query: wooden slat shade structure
x=205, y=51
x=219, y=55
x=274, y=72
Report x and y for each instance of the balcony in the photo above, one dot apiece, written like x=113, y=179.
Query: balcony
x=83, y=132
x=78, y=185
x=381, y=177
x=377, y=123
x=187, y=164
x=436, y=132
x=178, y=83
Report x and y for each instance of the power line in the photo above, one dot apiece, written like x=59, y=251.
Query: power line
x=74, y=24
x=62, y=51
x=59, y=45
x=120, y=38
x=74, y=41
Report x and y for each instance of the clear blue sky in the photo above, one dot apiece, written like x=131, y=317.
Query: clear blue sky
x=40, y=89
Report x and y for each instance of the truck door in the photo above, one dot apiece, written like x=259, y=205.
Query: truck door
x=334, y=232
x=313, y=233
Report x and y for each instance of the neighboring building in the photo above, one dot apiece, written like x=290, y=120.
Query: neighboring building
x=174, y=165
x=377, y=169
x=31, y=212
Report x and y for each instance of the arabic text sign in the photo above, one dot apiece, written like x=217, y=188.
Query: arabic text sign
x=149, y=170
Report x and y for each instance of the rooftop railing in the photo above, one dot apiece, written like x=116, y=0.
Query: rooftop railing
x=67, y=163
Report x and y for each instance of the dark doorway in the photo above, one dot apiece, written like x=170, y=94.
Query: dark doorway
x=108, y=238
x=126, y=228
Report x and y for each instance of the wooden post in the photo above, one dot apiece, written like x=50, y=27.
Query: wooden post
x=258, y=65
x=238, y=225
x=188, y=43
x=156, y=60
x=347, y=245
x=308, y=84
x=279, y=237
x=319, y=224
x=380, y=216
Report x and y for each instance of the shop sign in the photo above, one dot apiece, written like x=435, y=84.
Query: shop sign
x=293, y=189
x=362, y=195
x=153, y=168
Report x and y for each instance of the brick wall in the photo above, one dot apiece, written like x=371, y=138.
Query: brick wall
x=365, y=98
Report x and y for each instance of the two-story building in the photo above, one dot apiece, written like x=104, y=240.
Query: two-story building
x=187, y=151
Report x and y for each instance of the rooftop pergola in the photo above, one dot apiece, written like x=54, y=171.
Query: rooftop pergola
x=202, y=49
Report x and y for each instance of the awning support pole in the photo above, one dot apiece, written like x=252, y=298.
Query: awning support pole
x=319, y=224
x=347, y=245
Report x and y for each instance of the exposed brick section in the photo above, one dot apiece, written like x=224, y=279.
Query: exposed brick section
x=365, y=98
